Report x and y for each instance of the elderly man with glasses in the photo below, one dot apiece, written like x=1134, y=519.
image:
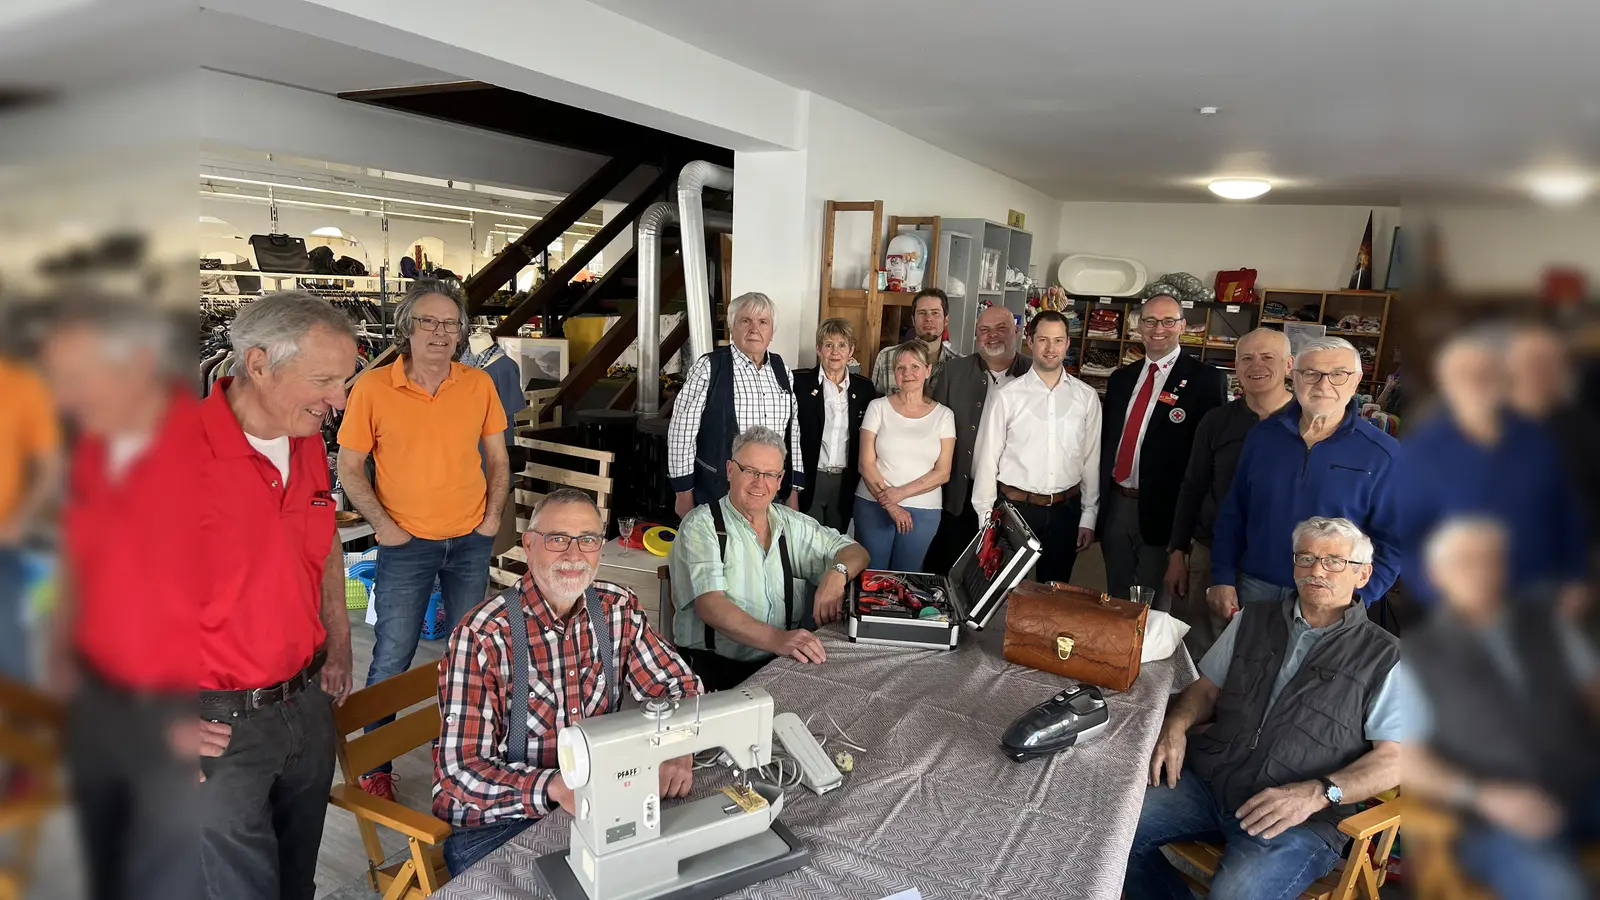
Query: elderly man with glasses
x=1305, y=711
x=1315, y=457
x=432, y=427
x=735, y=566
x=580, y=642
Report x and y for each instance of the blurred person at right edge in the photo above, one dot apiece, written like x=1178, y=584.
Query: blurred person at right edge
x=1500, y=724
x=125, y=633
x=1315, y=457
x=30, y=475
x=1263, y=363
x=275, y=636
x=1473, y=455
x=1543, y=389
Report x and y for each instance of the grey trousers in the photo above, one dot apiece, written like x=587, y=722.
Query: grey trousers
x=827, y=506
x=1204, y=625
x=1129, y=560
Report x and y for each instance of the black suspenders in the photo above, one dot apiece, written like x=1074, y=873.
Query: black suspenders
x=783, y=554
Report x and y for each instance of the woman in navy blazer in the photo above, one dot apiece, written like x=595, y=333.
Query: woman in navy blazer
x=831, y=396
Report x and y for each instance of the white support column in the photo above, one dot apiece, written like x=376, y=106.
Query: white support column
x=770, y=249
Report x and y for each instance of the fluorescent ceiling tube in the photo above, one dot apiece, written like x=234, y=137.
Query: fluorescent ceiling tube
x=1240, y=188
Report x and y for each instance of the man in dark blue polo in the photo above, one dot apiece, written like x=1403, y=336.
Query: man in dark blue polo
x=1315, y=458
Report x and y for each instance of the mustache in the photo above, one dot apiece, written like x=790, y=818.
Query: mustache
x=1314, y=581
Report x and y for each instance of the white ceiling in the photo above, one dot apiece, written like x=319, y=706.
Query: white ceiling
x=1338, y=101
x=229, y=43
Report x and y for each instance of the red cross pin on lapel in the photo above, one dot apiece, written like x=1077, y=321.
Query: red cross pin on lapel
x=1177, y=415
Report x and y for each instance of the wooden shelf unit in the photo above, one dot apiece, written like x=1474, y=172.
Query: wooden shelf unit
x=1338, y=304
x=1231, y=319
x=878, y=316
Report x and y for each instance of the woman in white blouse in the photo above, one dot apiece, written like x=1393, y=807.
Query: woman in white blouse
x=907, y=442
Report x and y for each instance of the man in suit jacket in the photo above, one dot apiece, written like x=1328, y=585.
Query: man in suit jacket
x=1152, y=409
x=832, y=401
x=966, y=386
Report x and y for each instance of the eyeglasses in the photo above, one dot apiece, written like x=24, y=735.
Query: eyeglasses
x=1311, y=377
x=558, y=543
x=1329, y=563
x=429, y=323
x=1165, y=322
x=773, y=477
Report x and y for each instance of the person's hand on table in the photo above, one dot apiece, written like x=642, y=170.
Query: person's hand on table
x=677, y=776
x=683, y=502
x=1170, y=749
x=1085, y=538
x=391, y=535
x=1223, y=600
x=800, y=645
x=829, y=598
x=1176, y=580
x=1278, y=809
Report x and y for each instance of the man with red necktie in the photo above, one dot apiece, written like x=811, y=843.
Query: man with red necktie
x=1152, y=409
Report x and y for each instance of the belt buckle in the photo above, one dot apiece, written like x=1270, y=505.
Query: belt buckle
x=255, y=697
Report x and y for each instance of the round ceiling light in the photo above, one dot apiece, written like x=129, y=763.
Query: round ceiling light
x=1561, y=188
x=1240, y=188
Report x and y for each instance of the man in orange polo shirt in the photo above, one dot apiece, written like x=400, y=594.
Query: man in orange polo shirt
x=30, y=468
x=274, y=635
x=436, y=505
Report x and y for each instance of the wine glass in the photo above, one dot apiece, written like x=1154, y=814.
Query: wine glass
x=625, y=526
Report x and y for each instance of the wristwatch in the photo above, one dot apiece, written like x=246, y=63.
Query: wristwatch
x=842, y=569
x=1331, y=791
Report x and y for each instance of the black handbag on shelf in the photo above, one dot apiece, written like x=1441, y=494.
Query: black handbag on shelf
x=281, y=253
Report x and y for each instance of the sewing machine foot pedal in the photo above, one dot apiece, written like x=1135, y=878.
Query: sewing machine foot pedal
x=714, y=873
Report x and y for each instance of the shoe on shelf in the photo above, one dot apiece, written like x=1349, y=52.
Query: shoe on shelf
x=380, y=784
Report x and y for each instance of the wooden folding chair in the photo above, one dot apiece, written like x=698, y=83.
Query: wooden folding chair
x=1359, y=875
x=30, y=741
x=424, y=872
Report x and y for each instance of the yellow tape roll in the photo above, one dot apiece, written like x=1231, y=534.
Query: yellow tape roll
x=658, y=540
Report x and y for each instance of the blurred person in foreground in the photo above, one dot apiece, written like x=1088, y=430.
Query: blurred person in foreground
x=586, y=640
x=1473, y=455
x=735, y=568
x=1263, y=363
x=968, y=388
x=125, y=632
x=1500, y=708
x=1315, y=457
x=1304, y=723
x=433, y=429
x=30, y=477
x=275, y=636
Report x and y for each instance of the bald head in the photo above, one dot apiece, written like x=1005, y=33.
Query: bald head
x=1262, y=360
x=997, y=336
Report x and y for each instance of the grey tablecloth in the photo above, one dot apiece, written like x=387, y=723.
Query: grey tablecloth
x=932, y=804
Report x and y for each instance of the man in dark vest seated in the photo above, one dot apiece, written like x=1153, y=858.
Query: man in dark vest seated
x=742, y=570
x=1304, y=720
x=727, y=391
x=1501, y=724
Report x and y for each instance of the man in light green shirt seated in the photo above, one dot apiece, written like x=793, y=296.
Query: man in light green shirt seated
x=736, y=597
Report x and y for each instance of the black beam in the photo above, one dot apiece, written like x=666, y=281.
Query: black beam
x=518, y=254
x=616, y=273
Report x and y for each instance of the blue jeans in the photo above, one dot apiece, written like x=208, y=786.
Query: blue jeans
x=13, y=634
x=1518, y=868
x=1253, y=590
x=1252, y=868
x=465, y=846
x=889, y=548
x=400, y=591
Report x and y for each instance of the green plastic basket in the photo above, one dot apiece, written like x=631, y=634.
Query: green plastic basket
x=355, y=594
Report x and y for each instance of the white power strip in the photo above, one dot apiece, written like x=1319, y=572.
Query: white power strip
x=817, y=771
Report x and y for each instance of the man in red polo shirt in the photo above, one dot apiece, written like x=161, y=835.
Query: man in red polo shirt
x=274, y=634
x=127, y=617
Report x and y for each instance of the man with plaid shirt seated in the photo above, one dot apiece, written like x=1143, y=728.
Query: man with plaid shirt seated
x=581, y=640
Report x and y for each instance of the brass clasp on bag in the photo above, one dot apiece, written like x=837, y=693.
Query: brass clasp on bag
x=1064, y=646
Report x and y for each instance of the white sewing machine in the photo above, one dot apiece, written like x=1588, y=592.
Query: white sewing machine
x=626, y=847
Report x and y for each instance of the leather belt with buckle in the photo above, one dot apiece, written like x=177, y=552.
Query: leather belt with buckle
x=830, y=470
x=220, y=705
x=1126, y=491
x=1017, y=495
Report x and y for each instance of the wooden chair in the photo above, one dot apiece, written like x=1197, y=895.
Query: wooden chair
x=514, y=562
x=1359, y=875
x=30, y=738
x=424, y=872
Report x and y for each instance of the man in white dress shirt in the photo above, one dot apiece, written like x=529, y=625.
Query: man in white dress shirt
x=1039, y=448
x=1154, y=406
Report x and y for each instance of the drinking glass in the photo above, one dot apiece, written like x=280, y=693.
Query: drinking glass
x=1143, y=595
x=625, y=526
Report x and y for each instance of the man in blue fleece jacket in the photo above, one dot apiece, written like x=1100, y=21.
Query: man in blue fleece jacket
x=1314, y=458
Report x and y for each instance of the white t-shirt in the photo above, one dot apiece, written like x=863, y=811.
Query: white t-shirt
x=907, y=448
x=276, y=450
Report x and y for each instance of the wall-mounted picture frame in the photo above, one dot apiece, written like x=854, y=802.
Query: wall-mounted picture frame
x=541, y=359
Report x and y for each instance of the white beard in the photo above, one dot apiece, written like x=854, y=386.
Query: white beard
x=564, y=587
